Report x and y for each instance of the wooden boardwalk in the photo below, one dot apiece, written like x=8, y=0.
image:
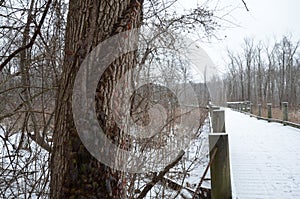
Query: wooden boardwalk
x=265, y=157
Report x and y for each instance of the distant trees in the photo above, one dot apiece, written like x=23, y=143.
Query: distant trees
x=264, y=73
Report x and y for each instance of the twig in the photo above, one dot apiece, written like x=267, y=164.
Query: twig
x=245, y=5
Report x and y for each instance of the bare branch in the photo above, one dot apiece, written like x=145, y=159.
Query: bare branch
x=11, y=56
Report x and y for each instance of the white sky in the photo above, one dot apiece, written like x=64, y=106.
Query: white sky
x=266, y=20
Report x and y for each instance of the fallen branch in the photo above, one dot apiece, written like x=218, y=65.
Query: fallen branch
x=159, y=177
x=197, y=192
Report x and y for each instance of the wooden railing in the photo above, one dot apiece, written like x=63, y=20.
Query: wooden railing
x=246, y=107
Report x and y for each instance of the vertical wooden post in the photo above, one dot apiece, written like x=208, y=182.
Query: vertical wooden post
x=285, y=116
x=218, y=121
x=251, y=107
x=212, y=109
x=220, y=166
x=269, y=106
x=259, y=110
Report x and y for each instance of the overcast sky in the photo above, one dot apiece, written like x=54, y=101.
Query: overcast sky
x=265, y=20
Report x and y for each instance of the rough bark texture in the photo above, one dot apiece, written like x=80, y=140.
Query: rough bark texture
x=74, y=172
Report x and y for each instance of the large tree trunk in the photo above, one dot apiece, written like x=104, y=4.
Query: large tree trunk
x=74, y=172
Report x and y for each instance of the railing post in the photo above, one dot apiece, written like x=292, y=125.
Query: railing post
x=269, y=106
x=219, y=156
x=251, y=107
x=259, y=110
x=220, y=166
x=212, y=109
x=218, y=121
x=285, y=111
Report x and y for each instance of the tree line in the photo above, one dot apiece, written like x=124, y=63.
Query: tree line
x=264, y=73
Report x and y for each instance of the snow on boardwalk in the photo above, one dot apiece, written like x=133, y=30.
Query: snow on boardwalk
x=265, y=157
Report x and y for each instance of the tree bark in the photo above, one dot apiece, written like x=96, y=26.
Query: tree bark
x=74, y=172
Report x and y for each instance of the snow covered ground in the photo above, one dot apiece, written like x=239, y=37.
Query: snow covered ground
x=24, y=169
x=265, y=157
x=265, y=161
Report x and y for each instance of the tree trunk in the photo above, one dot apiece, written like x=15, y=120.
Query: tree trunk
x=74, y=172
